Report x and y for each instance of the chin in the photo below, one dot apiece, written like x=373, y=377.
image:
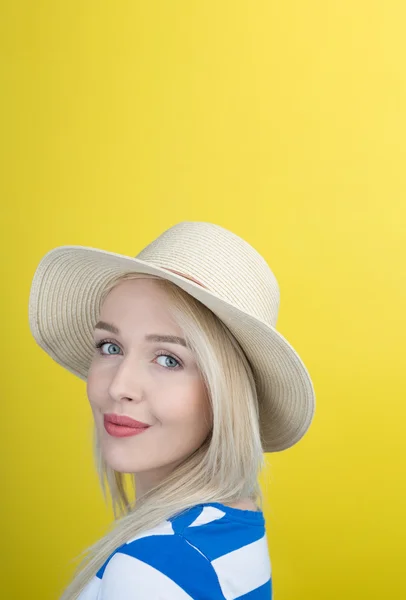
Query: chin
x=122, y=463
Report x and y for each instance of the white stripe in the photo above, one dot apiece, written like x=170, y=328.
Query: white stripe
x=208, y=514
x=127, y=578
x=164, y=528
x=91, y=590
x=243, y=570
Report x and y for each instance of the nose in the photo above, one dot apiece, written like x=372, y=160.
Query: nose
x=126, y=383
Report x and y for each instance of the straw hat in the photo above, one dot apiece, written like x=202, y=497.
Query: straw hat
x=212, y=264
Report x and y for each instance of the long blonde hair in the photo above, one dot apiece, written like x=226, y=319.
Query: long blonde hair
x=223, y=469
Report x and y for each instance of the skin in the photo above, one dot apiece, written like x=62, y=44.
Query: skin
x=128, y=376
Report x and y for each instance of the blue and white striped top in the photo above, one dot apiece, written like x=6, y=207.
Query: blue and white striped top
x=209, y=552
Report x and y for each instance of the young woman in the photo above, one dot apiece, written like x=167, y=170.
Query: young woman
x=189, y=384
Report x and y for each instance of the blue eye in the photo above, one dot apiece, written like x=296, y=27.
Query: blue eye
x=100, y=345
x=168, y=361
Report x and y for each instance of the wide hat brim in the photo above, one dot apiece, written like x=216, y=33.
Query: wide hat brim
x=64, y=306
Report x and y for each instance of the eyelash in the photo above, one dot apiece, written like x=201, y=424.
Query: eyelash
x=98, y=346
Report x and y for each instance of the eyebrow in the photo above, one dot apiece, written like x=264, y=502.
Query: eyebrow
x=153, y=337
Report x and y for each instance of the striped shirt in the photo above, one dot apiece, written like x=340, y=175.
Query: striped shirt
x=209, y=552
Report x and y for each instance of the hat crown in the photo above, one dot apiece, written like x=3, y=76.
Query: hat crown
x=221, y=261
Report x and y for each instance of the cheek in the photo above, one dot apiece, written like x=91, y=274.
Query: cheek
x=94, y=390
x=185, y=406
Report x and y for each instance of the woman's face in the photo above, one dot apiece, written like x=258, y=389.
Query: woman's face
x=136, y=374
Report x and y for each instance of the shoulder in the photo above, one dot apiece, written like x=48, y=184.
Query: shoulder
x=159, y=564
x=207, y=552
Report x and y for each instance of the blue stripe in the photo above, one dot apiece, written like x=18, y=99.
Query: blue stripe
x=265, y=591
x=174, y=557
x=222, y=536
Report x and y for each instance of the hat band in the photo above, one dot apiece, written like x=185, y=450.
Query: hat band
x=185, y=276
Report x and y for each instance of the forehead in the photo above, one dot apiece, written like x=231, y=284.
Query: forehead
x=137, y=300
x=137, y=286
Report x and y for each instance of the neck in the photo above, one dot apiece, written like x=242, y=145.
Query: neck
x=146, y=480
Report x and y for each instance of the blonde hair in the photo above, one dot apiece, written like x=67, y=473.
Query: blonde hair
x=223, y=469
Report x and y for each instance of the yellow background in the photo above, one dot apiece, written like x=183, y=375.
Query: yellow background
x=282, y=121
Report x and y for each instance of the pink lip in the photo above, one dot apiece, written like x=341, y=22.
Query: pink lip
x=124, y=420
x=123, y=426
